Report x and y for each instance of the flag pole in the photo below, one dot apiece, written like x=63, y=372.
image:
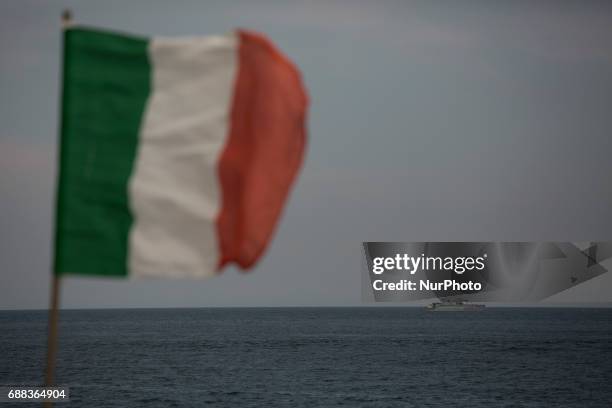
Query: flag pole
x=52, y=337
x=55, y=293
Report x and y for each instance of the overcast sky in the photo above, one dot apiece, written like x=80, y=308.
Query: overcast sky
x=432, y=120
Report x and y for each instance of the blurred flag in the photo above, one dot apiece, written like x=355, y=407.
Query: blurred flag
x=177, y=155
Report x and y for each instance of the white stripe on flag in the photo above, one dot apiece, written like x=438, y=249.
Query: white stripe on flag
x=174, y=189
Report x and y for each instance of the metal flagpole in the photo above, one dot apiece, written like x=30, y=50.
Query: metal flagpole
x=55, y=295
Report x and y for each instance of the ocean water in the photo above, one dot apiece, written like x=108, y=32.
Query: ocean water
x=318, y=357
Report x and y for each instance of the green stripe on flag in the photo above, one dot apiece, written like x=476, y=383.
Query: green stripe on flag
x=106, y=86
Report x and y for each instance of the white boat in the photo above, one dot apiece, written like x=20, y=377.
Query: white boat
x=454, y=306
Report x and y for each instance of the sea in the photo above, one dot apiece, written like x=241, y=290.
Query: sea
x=317, y=357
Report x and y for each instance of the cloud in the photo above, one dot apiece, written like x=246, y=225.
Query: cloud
x=543, y=30
x=25, y=156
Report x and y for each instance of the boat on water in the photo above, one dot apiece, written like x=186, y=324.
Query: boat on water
x=457, y=305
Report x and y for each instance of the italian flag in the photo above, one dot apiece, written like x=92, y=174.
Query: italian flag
x=177, y=154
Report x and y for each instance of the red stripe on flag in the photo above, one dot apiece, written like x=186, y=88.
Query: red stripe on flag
x=264, y=151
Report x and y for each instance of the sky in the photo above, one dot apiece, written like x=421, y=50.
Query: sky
x=429, y=121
